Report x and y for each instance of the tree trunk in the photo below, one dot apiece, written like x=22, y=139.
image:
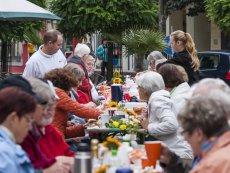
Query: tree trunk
x=162, y=16
x=4, y=66
x=139, y=63
x=110, y=63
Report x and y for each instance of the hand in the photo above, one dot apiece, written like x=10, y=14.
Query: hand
x=59, y=166
x=91, y=105
x=144, y=123
x=67, y=161
x=144, y=112
x=165, y=154
x=70, y=123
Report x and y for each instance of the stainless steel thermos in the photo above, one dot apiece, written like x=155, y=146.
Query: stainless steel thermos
x=82, y=162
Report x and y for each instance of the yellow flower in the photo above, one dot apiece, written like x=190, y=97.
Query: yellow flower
x=113, y=104
x=129, y=112
x=123, y=127
x=116, y=73
x=115, y=124
x=117, y=80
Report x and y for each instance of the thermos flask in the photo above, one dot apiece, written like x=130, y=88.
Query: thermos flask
x=116, y=91
x=82, y=162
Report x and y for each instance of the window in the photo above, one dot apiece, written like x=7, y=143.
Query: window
x=16, y=53
x=208, y=61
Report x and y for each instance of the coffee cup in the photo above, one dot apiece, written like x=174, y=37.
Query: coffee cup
x=153, y=150
x=103, y=119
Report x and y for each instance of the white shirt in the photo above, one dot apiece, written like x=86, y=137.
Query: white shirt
x=94, y=92
x=40, y=63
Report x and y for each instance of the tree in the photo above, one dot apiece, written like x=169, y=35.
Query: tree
x=219, y=12
x=82, y=17
x=140, y=42
x=12, y=31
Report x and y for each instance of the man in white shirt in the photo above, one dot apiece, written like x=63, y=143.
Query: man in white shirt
x=48, y=57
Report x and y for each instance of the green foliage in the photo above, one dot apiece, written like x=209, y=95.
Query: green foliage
x=82, y=17
x=130, y=125
x=173, y=5
x=219, y=12
x=143, y=41
x=19, y=31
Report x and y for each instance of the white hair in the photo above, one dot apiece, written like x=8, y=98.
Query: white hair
x=41, y=88
x=207, y=84
x=155, y=55
x=151, y=82
x=81, y=50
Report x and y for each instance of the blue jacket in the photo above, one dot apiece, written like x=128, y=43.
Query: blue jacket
x=13, y=158
x=102, y=53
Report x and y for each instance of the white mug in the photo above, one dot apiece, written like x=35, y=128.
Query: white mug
x=103, y=118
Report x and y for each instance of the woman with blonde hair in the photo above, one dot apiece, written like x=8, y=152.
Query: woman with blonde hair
x=185, y=54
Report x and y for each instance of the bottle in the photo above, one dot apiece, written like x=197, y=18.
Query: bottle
x=82, y=161
x=94, y=149
x=123, y=155
x=113, y=162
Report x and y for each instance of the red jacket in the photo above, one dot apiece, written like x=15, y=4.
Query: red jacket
x=66, y=105
x=43, y=148
x=82, y=97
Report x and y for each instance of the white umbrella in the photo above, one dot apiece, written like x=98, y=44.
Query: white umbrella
x=23, y=10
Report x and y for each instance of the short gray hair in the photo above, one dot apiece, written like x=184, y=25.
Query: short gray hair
x=208, y=112
x=151, y=82
x=207, y=84
x=42, y=89
x=154, y=56
x=75, y=69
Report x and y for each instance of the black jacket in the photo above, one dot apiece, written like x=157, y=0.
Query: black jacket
x=184, y=59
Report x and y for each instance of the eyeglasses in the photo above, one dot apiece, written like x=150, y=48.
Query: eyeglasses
x=49, y=107
x=29, y=118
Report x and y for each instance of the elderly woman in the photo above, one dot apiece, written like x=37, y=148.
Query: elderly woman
x=77, y=94
x=64, y=80
x=175, y=79
x=80, y=51
x=161, y=120
x=154, y=58
x=16, y=110
x=204, y=119
x=44, y=144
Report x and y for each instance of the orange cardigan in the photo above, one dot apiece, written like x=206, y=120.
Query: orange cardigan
x=66, y=105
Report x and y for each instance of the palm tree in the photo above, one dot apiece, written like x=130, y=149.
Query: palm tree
x=140, y=42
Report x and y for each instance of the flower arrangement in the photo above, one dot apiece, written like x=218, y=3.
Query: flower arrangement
x=116, y=74
x=116, y=77
x=117, y=80
x=113, y=104
x=131, y=125
x=111, y=143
